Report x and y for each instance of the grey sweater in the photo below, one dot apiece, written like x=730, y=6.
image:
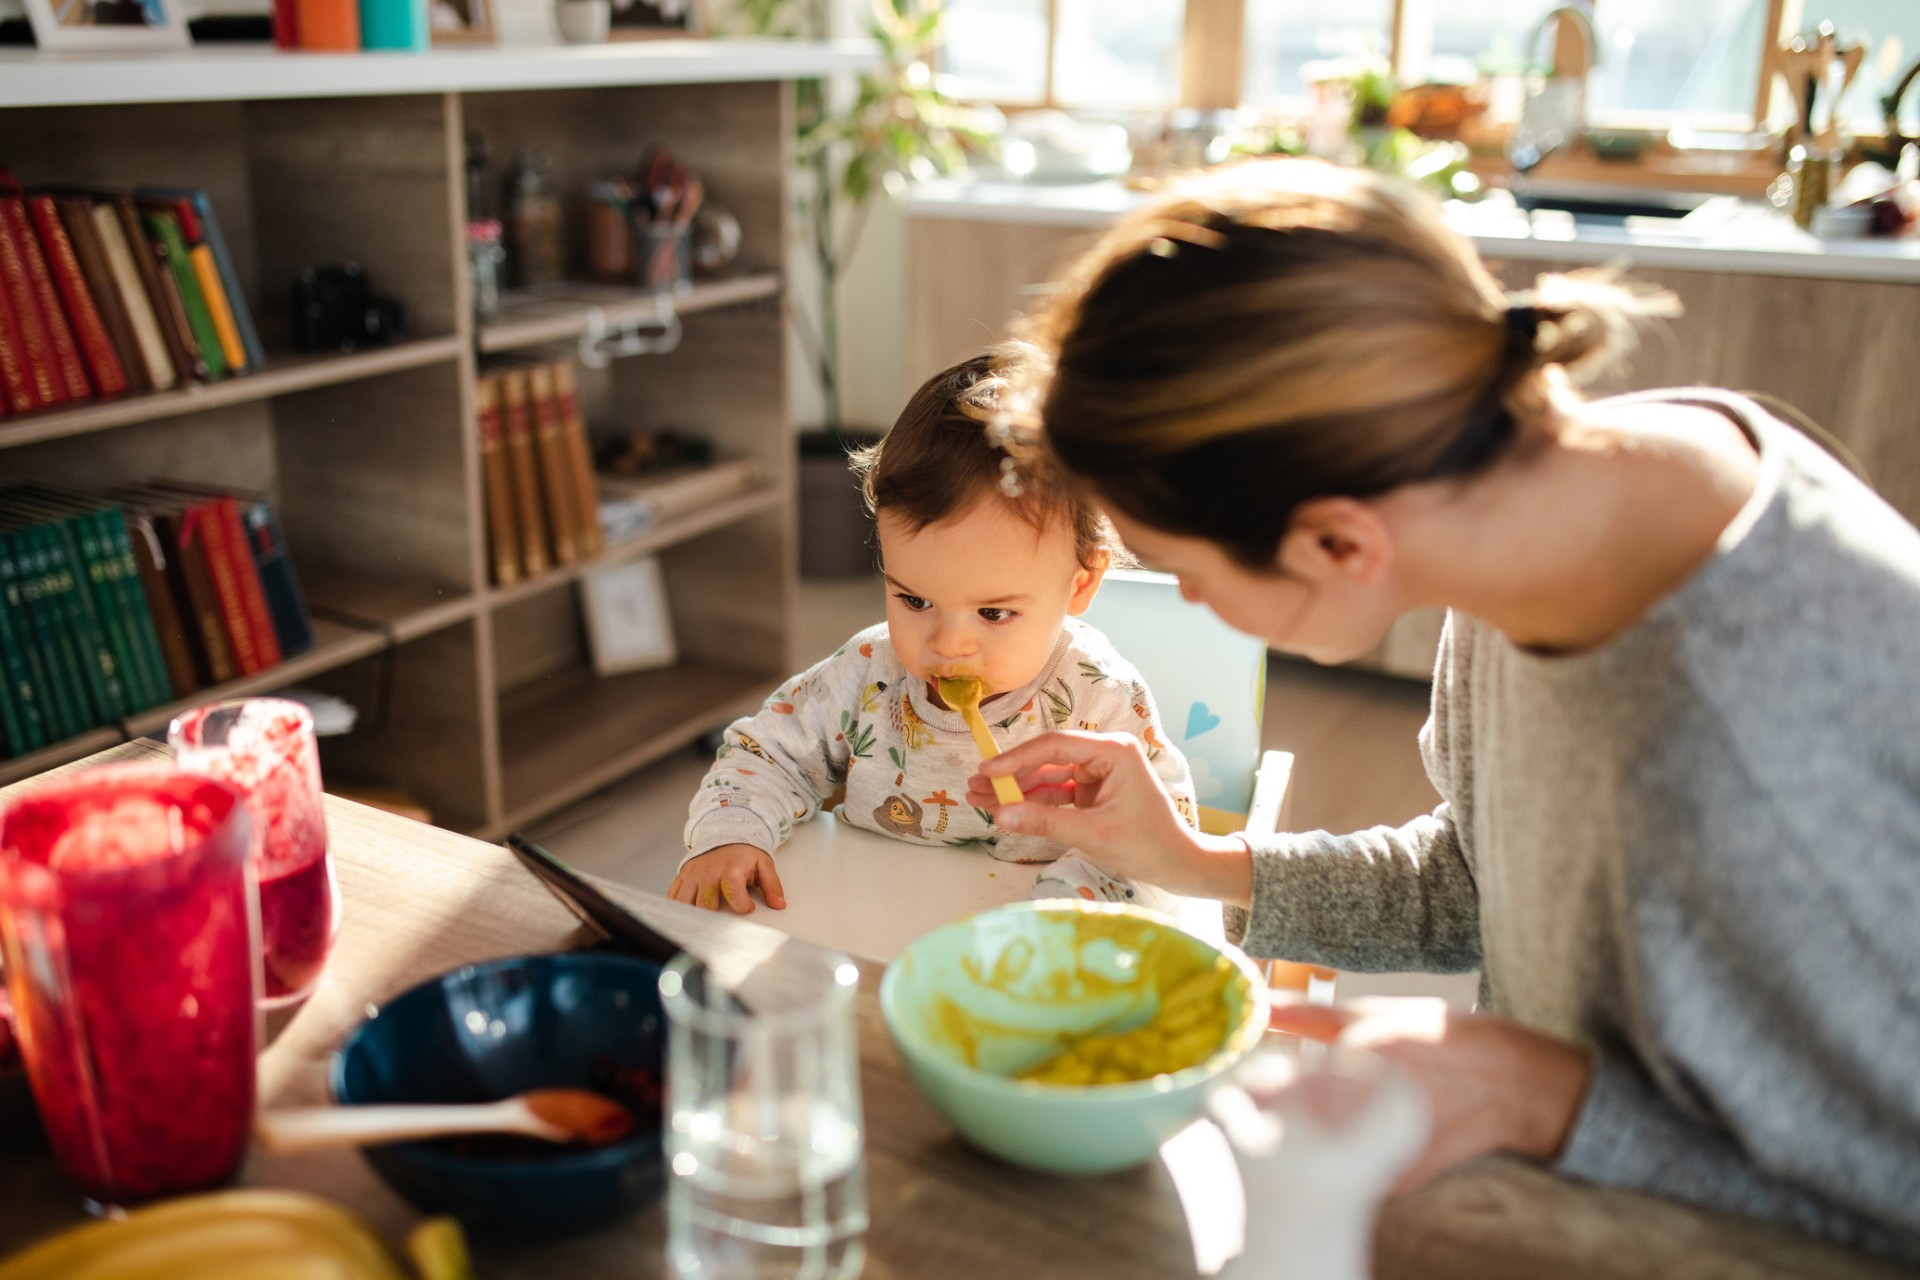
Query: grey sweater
x=1694, y=851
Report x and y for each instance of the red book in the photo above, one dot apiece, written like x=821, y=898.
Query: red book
x=266, y=641
x=66, y=352
x=208, y=527
x=89, y=330
x=286, y=24
x=16, y=385
x=31, y=333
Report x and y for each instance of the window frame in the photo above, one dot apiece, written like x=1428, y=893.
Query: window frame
x=1213, y=48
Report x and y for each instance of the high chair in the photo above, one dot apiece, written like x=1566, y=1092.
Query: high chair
x=861, y=892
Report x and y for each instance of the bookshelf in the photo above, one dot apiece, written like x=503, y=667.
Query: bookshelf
x=489, y=711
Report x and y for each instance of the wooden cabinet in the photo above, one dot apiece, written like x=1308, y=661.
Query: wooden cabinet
x=477, y=699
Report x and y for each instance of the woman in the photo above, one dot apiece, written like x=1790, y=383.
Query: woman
x=1674, y=719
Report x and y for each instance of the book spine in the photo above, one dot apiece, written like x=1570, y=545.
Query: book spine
x=210, y=536
x=498, y=482
x=163, y=600
x=236, y=297
x=286, y=24
x=112, y=656
x=32, y=334
x=17, y=581
x=89, y=330
x=556, y=481
x=64, y=351
x=155, y=355
x=286, y=604
x=189, y=545
x=159, y=286
x=19, y=701
x=171, y=247
x=16, y=383
x=516, y=413
x=207, y=272
x=43, y=656
x=94, y=632
x=123, y=580
x=574, y=431
x=61, y=613
x=252, y=598
x=76, y=218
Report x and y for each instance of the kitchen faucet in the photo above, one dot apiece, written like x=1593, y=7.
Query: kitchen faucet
x=1555, y=110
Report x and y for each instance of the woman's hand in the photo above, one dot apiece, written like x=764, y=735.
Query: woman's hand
x=1492, y=1084
x=724, y=875
x=1098, y=793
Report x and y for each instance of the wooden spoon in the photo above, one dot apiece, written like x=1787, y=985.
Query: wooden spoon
x=554, y=1115
x=962, y=693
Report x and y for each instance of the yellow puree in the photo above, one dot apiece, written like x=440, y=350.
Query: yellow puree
x=1191, y=1025
x=1188, y=1030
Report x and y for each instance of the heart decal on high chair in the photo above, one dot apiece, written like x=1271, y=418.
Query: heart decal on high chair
x=1200, y=720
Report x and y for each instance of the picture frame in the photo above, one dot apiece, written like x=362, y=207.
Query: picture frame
x=457, y=22
x=93, y=25
x=656, y=19
x=628, y=623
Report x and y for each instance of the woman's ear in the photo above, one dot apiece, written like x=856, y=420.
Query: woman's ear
x=1086, y=582
x=1337, y=539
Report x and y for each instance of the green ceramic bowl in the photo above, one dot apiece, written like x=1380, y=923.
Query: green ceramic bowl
x=974, y=1003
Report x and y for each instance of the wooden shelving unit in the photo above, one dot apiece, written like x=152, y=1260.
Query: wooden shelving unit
x=487, y=708
x=569, y=311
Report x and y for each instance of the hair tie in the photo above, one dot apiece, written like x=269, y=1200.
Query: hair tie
x=1523, y=328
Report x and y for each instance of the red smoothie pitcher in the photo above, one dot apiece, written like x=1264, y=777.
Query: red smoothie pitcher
x=127, y=916
x=265, y=747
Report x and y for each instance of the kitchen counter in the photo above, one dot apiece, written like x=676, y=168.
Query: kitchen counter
x=1724, y=235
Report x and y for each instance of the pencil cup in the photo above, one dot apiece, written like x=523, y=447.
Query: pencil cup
x=665, y=250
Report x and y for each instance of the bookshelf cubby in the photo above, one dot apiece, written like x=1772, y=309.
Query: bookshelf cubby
x=488, y=710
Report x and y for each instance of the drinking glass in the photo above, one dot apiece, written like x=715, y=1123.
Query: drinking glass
x=1320, y=1135
x=265, y=747
x=765, y=1148
x=126, y=913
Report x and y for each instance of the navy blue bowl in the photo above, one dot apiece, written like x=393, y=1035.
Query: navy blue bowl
x=586, y=1020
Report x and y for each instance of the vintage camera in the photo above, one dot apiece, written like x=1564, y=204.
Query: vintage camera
x=335, y=309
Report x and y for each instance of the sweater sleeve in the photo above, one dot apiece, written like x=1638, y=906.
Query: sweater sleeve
x=1382, y=900
x=776, y=767
x=1628, y=1135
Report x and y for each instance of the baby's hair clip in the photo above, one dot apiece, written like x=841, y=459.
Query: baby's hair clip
x=1010, y=478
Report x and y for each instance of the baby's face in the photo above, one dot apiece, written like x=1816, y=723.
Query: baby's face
x=981, y=593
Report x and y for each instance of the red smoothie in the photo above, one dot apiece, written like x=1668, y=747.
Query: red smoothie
x=126, y=917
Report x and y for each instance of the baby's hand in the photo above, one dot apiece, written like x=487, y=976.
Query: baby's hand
x=724, y=874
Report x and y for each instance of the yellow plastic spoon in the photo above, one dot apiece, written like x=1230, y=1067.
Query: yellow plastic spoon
x=962, y=693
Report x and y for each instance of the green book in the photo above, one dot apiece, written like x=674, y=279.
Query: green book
x=120, y=598
x=79, y=637
x=125, y=574
x=66, y=696
x=24, y=668
x=92, y=616
x=19, y=716
x=164, y=228
x=17, y=582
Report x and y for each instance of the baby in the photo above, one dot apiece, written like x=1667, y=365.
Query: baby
x=988, y=565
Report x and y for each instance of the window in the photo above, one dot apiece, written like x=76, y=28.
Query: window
x=1284, y=35
x=1090, y=53
x=997, y=49
x=1891, y=31
x=1658, y=59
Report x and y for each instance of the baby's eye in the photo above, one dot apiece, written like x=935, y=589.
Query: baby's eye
x=914, y=603
x=997, y=615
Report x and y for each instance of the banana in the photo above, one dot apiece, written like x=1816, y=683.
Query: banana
x=224, y=1235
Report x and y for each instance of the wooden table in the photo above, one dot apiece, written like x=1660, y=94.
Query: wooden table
x=419, y=901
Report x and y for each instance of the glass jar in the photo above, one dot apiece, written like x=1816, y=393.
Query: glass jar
x=265, y=748
x=535, y=251
x=485, y=257
x=127, y=916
